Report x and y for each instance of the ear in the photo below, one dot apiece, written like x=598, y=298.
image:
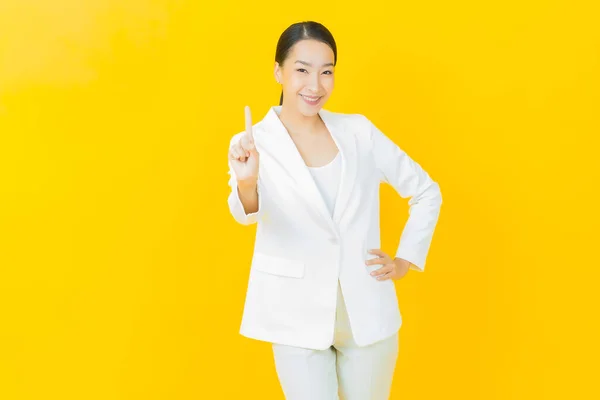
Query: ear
x=277, y=72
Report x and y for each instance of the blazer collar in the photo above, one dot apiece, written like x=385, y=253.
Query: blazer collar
x=284, y=150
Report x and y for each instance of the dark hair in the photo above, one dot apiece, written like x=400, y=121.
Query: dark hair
x=301, y=31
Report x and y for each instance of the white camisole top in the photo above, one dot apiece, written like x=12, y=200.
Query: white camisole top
x=327, y=178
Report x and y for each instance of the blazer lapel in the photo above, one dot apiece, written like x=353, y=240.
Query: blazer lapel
x=346, y=143
x=283, y=149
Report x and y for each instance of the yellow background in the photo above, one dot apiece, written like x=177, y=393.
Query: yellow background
x=123, y=275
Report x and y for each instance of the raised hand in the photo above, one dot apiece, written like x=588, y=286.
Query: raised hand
x=243, y=154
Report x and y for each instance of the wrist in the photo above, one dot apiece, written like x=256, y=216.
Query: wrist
x=402, y=262
x=247, y=184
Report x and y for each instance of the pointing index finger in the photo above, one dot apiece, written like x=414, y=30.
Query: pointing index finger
x=249, y=124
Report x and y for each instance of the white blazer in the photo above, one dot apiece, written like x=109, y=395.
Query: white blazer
x=301, y=251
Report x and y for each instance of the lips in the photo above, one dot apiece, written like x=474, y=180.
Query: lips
x=311, y=100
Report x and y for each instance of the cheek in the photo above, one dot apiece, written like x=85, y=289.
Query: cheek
x=294, y=84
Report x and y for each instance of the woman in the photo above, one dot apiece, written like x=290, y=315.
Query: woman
x=320, y=289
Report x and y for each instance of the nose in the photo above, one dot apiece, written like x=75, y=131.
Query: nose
x=314, y=83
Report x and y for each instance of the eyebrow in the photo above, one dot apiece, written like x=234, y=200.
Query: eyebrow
x=310, y=65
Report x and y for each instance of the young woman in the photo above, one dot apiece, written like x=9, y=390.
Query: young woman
x=320, y=289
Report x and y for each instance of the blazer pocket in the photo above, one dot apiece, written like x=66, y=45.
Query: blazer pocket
x=278, y=265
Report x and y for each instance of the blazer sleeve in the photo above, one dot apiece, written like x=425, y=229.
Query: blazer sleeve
x=236, y=208
x=410, y=180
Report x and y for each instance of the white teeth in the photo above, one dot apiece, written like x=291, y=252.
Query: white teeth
x=313, y=99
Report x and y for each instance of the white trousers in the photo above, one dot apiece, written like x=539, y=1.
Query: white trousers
x=345, y=371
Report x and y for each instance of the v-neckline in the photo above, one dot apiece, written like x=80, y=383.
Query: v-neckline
x=329, y=163
x=325, y=126
x=287, y=154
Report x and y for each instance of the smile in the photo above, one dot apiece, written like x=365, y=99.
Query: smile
x=311, y=100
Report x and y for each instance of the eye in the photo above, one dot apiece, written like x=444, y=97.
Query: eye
x=330, y=72
x=300, y=69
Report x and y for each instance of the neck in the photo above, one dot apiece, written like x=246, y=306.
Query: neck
x=297, y=123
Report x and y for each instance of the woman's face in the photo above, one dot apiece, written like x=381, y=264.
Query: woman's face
x=307, y=76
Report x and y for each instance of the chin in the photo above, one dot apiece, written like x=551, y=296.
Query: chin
x=309, y=111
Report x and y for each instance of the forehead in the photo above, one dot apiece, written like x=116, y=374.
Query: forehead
x=312, y=51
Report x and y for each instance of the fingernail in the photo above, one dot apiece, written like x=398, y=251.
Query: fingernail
x=372, y=273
